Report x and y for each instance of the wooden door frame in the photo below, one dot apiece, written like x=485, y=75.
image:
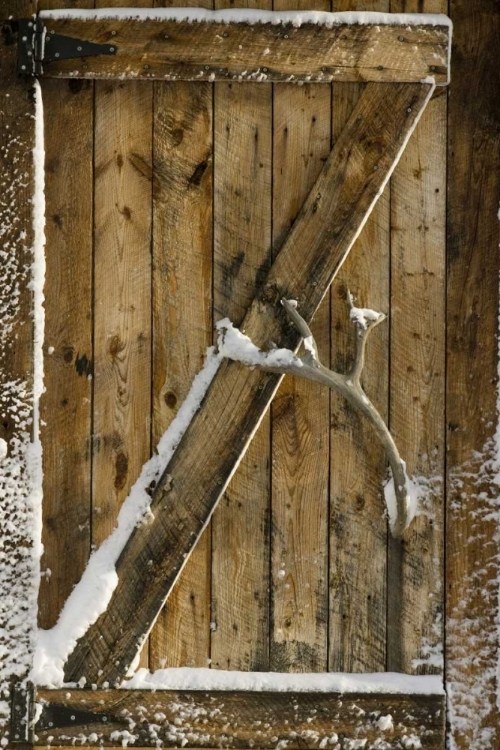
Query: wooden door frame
x=429, y=710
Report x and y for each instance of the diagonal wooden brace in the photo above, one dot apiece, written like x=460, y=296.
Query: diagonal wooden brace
x=332, y=217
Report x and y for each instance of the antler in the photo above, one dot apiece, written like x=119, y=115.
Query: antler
x=235, y=345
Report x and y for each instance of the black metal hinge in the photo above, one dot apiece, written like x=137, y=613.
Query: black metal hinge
x=38, y=46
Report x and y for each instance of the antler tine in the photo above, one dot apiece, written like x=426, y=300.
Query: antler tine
x=348, y=385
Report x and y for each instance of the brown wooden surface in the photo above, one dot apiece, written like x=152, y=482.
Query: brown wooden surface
x=300, y=410
x=183, y=50
x=183, y=500
x=472, y=546
x=17, y=564
x=122, y=295
x=66, y=406
x=240, y=719
x=417, y=416
x=242, y=255
x=182, y=322
x=182, y=325
x=358, y=530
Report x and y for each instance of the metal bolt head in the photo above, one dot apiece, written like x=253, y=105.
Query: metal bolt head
x=146, y=67
x=286, y=36
x=113, y=33
x=79, y=49
x=401, y=38
x=111, y=49
x=225, y=34
x=264, y=70
x=57, y=54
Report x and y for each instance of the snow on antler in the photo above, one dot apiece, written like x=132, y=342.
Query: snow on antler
x=236, y=346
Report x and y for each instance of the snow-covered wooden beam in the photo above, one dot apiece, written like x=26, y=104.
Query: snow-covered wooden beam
x=239, y=719
x=327, y=226
x=196, y=45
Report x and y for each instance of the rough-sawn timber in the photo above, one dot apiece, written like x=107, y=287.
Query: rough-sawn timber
x=333, y=215
x=183, y=50
x=208, y=719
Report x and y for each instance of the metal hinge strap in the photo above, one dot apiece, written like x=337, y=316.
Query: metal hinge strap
x=38, y=46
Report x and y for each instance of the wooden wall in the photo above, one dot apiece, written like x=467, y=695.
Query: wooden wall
x=165, y=205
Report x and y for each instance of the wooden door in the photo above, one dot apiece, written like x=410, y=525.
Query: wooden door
x=166, y=205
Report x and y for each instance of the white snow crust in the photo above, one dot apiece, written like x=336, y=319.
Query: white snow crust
x=188, y=678
x=250, y=15
x=363, y=315
x=235, y=345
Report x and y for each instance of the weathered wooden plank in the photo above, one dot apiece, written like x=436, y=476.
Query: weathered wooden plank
x=19, y=505
x=358, y=532
x=194, y=50
x=242, y=257
x=241, y=719
x=66, y=405
x=300, y=410
x=472, y=542
x=182, y=325
x=417, y=414
x=212, y=446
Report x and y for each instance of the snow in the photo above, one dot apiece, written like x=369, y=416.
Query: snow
x=363, y=315
x=235, y=345
x=188, y=678
x=252, y=16
x=416, y=493
x=21, y=456
x=91, y=596
x=385, y=723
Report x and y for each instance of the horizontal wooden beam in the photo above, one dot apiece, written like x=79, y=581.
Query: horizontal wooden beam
x=190, y=50
x=334, y=213
x=266, y=720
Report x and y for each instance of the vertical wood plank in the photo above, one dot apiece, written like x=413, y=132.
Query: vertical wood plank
x=358, y=532
x=300, y=410
x=66, y=405
x=418, y=245
x=182, y=325
x=242, y=254
x=472, y=519
x=18, y=564
x=122, y=310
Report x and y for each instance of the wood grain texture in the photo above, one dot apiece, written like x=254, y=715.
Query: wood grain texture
x=184, y=50
x=242, y=257
x=417, y=417
x=18, y=569
x=240, y=719
x=358, y=531
x=182, y=325
x=300, y=410
x=185, y=497
x=122, y=309
x=182, y=322
x=66, y=407
x=472, y=545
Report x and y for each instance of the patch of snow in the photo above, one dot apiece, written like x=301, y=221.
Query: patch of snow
x=92, y=594
x=3, y=449
x=202, y=678
x=385, y=723
x=252, y=16
x=235, y=345
x=363, y=315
